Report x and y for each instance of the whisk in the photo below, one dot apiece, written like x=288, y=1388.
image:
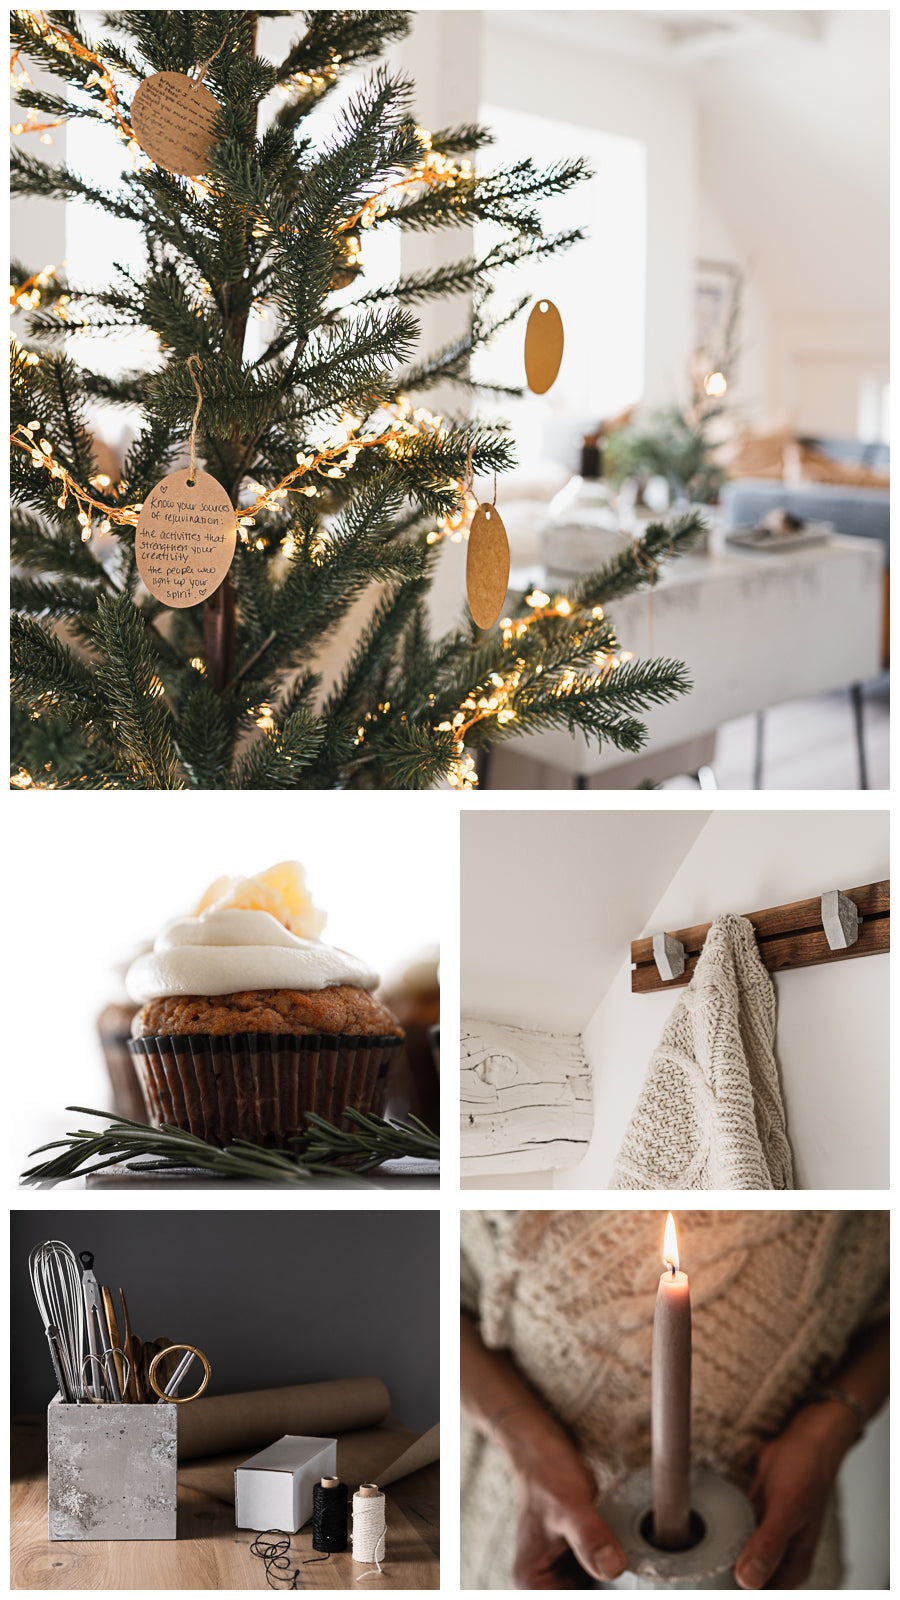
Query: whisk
x=56, y=1281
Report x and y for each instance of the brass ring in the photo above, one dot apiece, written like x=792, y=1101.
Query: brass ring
x=174, y=1399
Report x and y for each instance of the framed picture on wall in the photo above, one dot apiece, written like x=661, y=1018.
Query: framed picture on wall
x=717, y=306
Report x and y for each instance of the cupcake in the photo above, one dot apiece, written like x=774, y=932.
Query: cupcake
x=413, y=994
x=247, y=1021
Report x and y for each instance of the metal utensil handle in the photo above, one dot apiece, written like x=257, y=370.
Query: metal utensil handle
x=106, y=1350
x=91, y=1291
x=101, y=1363
x=178, y=1400
x=56, y=1357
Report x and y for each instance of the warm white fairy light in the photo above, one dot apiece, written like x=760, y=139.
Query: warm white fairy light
x=28, y=296
x=432, y=169
x=715, y=384
x=101, y=77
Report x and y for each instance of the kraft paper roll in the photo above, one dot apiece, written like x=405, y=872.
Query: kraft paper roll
x=375, y=1455
x=727, y=1518
x=216, y=1424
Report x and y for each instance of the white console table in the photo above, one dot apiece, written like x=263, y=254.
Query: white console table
x=753, y=629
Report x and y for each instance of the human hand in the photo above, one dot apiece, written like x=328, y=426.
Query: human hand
x=561, y=1541
x=794, y=1479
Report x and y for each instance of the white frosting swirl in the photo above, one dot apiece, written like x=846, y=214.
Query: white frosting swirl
x=228, y=951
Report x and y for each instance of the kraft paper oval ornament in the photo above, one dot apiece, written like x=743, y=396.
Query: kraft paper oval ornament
x=487, y=566
x=172, y=118
x=543, y=346
x=185, y=538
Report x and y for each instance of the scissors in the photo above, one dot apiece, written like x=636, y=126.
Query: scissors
x=170, y=1392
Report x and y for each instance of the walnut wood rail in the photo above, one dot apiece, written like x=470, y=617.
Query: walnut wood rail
x=788, y=936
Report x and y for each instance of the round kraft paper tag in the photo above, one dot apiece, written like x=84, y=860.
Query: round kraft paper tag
x=185, y=537
x=172, y=118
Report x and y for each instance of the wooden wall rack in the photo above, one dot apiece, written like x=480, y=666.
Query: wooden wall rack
x=788, y=936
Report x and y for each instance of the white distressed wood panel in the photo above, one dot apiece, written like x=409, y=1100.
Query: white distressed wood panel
x=526, y=1100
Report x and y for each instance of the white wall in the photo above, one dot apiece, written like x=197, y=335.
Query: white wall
x=793, y=149
x=750, y=386
x=832, y=1036
x=532, y=62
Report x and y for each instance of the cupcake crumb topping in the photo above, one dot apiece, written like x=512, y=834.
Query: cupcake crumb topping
x=280, y=890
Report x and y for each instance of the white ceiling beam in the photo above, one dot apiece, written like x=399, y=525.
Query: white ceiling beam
x=704, y=35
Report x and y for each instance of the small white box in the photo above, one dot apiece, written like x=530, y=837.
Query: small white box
x=274, y=1489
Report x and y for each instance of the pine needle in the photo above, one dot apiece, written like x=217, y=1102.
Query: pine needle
x=325, y=1157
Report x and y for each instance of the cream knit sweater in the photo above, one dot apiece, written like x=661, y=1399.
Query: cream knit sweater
x=777, y=1298
x=710, y=1114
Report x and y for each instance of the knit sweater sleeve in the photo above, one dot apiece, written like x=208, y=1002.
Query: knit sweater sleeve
x=486, y=1271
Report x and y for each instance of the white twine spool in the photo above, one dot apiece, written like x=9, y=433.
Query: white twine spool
x=369, y=1527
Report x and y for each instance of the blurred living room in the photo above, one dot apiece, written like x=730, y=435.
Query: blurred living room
x=726, y=349
x=726, y=343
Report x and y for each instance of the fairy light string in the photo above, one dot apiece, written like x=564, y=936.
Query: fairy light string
x=431, y=170
x=496, y=699
x=330, y=461
x=66, y=44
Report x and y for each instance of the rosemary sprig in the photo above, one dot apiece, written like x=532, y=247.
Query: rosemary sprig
x=312, y=1160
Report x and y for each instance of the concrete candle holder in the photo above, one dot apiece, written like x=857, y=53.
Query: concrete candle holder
x=723, y=1519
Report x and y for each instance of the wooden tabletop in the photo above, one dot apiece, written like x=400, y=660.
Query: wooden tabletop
x=209, y=1553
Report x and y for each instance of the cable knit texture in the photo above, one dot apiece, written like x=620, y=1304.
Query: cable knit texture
x=777, y=1299
x=710, y=1115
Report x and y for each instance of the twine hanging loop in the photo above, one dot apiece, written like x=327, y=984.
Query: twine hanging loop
x=192, y=362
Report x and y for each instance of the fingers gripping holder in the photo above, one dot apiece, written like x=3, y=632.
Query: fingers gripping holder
x=723, y=1521
x=669, y=955
x=840, y=919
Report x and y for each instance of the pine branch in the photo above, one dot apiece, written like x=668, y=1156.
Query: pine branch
x=327, y=1156
x=205, y=736
x=637, y=565
x=132, y=693
x=278, y=760
x=415, y=756
x=353, y=36
x=47, y=675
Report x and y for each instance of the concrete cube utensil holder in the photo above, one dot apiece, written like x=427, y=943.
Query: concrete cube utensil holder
x=724, y=1522
x=111, y=1471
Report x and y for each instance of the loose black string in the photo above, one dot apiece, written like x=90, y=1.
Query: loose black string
x=275, y=1555
x=329, y=1523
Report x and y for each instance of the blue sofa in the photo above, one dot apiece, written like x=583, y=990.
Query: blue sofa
x=862, y=512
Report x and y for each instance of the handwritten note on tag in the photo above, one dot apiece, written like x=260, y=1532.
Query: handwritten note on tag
x=172, y=117
x=185, y=537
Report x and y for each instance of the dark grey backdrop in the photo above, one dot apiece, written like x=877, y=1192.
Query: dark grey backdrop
x=271, y=1297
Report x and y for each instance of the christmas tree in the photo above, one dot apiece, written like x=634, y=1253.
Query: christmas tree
x=343, y=483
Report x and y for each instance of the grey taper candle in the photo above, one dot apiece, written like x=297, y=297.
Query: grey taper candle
x=670, y=1403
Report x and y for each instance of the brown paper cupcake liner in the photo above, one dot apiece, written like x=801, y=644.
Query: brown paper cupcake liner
x=260, y=1086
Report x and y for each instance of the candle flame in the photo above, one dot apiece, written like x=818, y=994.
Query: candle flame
x=670, y=1245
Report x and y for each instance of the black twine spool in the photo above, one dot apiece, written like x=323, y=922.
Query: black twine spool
x=329, y=1521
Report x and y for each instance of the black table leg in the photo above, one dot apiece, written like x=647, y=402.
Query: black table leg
x=856, y=700
x=758, y=750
